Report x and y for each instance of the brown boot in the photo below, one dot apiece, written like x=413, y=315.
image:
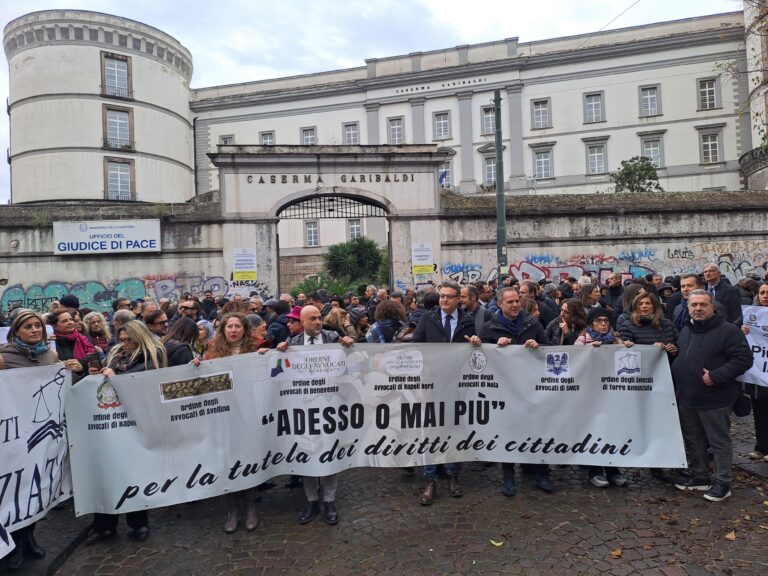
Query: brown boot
x=455, y=487
x=427, y=495
x=231, y=524
x=251, y=517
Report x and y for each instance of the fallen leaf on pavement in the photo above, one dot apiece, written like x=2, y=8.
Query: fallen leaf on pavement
x=616, y=553
x=731, y=535
x=497, y=543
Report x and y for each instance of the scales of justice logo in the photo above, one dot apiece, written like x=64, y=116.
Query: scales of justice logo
x=627, y=362
x=478, y=361
x=51, y=423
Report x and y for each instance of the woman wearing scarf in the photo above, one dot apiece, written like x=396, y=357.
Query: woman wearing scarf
x=648, y=325
x=233, y=337
x=71, y=346
x=759, y=396
x=137, y=350
x=205, y=334
x=597, y=333
x=27, y=347
x=97, y=330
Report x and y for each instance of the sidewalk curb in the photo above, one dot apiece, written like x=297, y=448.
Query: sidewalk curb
x=58, y=560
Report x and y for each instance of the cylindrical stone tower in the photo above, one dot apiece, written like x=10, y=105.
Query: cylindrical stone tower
x=99, y=109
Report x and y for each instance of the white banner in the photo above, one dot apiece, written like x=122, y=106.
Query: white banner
x=168, y=436
x=756, y=319
x=106, y=236
x=34, y=467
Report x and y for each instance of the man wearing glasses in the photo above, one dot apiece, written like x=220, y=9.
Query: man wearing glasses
x=157, y=322
x=445, y=323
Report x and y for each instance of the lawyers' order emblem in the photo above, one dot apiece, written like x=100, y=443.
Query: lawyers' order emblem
x=107, y=396
x=478, y=361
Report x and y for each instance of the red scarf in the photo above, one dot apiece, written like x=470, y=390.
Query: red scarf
x=83, y=346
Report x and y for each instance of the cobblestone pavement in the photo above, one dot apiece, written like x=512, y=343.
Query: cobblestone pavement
x=645, y=528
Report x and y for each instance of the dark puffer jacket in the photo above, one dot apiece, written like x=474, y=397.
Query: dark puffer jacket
x=647, y=334
x=721, y=348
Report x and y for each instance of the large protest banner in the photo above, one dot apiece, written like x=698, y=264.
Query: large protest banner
x=756, y=319
x=167, y=436
x=34, y=469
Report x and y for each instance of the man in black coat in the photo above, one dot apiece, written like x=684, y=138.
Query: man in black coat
x=446, y=323
x=729, y=296
x=511, y=325
x=712, y=353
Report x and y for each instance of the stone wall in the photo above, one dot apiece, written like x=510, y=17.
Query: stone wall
x=548, y=237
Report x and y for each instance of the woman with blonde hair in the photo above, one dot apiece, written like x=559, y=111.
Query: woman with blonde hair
x=338, y=320
x=233, y=337
x=137, y=350
x=97, y=330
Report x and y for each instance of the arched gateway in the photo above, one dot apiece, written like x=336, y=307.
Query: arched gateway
x=261, y=184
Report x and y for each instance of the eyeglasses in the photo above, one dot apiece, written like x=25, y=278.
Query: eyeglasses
x=448, y=296
x=185, y=308
x=601, y=321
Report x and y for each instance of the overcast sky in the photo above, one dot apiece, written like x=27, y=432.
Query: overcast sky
x=235, y=41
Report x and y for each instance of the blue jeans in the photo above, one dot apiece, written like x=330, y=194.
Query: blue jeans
x=430, y=470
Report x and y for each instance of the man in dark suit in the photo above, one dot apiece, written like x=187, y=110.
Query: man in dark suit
x=446, y=323
x=312, y=334
x=729, y=296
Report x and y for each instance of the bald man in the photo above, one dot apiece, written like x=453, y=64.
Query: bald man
x=313, y=334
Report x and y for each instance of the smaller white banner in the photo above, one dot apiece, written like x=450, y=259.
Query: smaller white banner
x=106, y=236
x=756, y=319
x=34, y=460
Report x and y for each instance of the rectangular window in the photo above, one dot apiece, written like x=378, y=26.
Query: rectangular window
x=710, y=148
x=351, y=134
x=227, y=140
x=396, y=131
x=543, y=160
x=488, y=118
x=541, y=117
x=312, y=230
x=444, y=176
x=596, y=158
x=442, y=126
x=267, y=138
x=308, y=137
x=593, y=107
x=116, y=76
x=652, y=151
x=118, y=129
x=355, y=228
x=649, y=101
x=489, y=171
x=707, y=94
x=119, y=178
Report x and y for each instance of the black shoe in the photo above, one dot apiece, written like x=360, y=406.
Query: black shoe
x=543, y=483
x=508, y=486
x=718, y=492
x=331, y=515
x=30, y=547
x=660, y=475
x=15, y=560
x=408, y=470
x=694, y=483
x=96, y=537
x=140, y=534
x=268, y=485
x=294, y=482
x=310, y=512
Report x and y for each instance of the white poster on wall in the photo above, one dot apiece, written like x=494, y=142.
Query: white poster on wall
x=106, y=236
x=244, y=265
x=422, y=258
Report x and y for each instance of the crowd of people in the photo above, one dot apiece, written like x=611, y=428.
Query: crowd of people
x=695, y=318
